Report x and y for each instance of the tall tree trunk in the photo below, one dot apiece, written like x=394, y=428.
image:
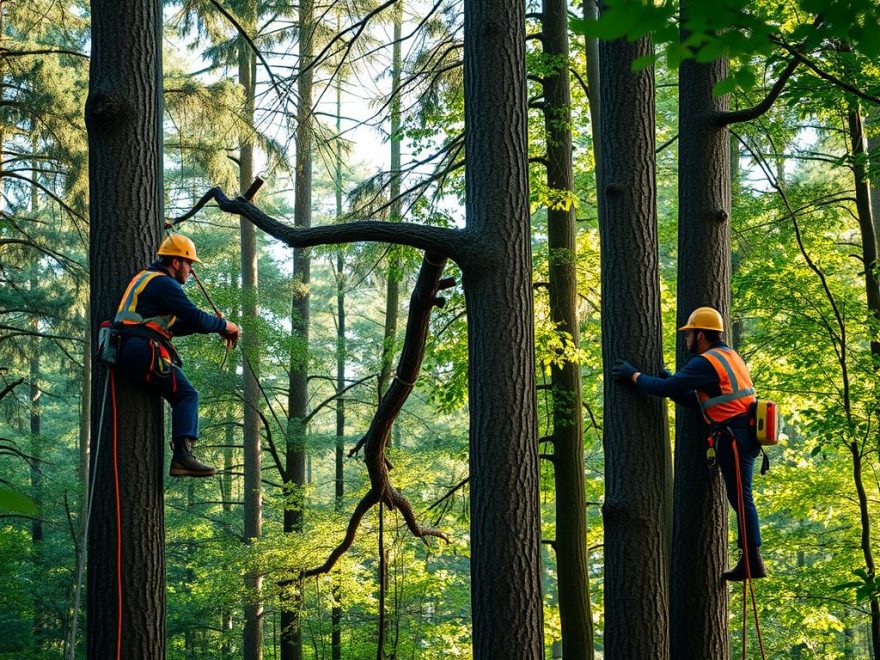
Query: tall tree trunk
x=505, y=524
x=699, y=534
x=291, y=631
x=123, y=118
x=591, y=49
x=336, y=612
x=866, y=226
x=392, y=298
x=874, y=148
x=39, y=614
x=637, y=459
x=253, y=498
x=872, y=289
x=39, y=623
x=568, y=434
x=871, y=569
x=392, y=287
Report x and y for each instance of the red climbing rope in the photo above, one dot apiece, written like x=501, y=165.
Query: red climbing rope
x=740, y=498
x=118, y=520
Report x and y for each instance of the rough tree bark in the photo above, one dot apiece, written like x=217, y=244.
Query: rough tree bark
x=295, y=469
x=122, y=114
x=699, y=534
x=637, y=459
x=250, y=346
x=568, y=436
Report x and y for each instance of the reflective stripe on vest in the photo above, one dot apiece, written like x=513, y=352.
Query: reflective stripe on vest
x=127, y=313
x=737, y=392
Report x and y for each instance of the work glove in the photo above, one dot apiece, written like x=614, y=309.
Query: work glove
x=623, y=371
x=230, y=332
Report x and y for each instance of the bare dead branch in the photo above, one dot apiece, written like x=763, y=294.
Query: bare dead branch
x=451, y=243
x=424, y=299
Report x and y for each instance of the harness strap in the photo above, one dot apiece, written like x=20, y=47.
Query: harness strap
x=724, y=398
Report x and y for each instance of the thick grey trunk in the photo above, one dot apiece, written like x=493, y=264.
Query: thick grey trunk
x=637, y=458
x=505, y=529
x=125, y=187
x=699, y=534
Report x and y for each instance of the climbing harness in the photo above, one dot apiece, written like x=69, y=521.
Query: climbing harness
x=745, y=543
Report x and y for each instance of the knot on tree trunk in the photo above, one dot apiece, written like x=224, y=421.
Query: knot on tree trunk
x=106, y=109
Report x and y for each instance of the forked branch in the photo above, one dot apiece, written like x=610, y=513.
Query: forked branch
x=375, y=441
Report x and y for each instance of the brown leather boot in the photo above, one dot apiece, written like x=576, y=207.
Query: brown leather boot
x=756, y=567
x=184, y=463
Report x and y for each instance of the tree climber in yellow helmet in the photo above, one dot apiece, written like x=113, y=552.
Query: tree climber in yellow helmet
x=153, y=309
x=718, y=382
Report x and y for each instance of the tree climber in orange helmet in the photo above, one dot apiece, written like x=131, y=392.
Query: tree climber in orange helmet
x=153, y=309
x=718, y=382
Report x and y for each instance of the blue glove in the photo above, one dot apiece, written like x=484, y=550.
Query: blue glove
x=623, y=371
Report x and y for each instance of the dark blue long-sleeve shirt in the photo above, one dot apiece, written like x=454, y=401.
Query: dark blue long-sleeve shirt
x=165, y=295
x=697, y=374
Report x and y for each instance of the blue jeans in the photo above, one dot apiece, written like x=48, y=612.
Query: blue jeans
x=134, y=360
x=749, y=450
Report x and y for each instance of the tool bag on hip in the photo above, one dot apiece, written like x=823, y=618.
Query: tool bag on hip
x=764, y=422
x=108, y=343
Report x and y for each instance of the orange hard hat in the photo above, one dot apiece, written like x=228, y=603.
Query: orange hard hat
x=704, y=318
x=178, y=245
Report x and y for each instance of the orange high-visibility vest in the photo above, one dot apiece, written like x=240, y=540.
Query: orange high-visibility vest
x=127, y=313
x=737, y=392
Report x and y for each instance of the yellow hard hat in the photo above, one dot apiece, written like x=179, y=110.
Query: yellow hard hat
x=178, y=245
x=704, y=318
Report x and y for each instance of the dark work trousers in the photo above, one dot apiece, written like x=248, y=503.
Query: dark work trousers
x=749, y=449
x=133, y=361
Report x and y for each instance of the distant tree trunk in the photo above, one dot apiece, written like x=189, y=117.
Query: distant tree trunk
x=637, y=459
x=699, y=535
x=123, y=118
x=291, y=631
x=39, y=614
x=874, y=148
x=253, y=497
x=568, y=435
x=505, y=529
x=872, y=289
x=591, y=12
x=736, y=324
x=866, y=226
x=336, y=612
x=392, y=287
